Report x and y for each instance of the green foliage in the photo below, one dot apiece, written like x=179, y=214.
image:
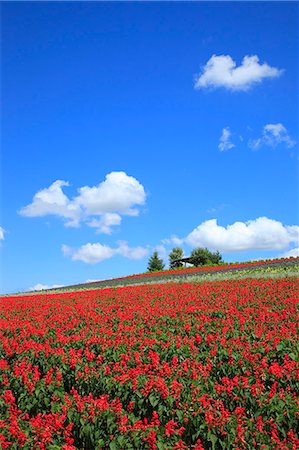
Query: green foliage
x=204, y=257
x=155, y=264
x=176, y=253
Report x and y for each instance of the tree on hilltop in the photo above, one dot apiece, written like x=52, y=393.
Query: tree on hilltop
x=155, y=263
x=176, y=253
x=203, y=257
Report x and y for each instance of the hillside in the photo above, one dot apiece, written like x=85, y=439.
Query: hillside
x=252, y=268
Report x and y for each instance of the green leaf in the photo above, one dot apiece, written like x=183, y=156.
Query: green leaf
x=121, y=441
x=213, y=438
x=153, y=399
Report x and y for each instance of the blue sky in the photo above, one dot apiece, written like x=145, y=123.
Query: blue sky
x=130, y=127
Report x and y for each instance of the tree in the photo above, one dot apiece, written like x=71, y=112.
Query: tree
x=176, y=253
x=216, y=258
x=155, y=263
x=203, y=257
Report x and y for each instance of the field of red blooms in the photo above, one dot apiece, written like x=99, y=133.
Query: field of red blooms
x=172, y=366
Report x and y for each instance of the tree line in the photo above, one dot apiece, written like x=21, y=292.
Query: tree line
x=198, y=257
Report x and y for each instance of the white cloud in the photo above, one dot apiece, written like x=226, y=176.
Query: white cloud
x=66, y=250
x=118, y=193
x=162, y=252
x=1, y=234
x=272, y=136
x=224, y=141
x=293, y=232
x=52, y=200
x=131, y=252
x=293, y=252
x=261, y=233
x=41, y=287
x=95, y=253
x=104, y=224
x=92, y=281
x=90, y=253
x=219, y=207
x=99, y=206
x=222, y=71
x=173, y=240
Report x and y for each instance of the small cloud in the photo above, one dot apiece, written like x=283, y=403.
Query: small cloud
x=131, y=252
x=173, y=240
x=66, y=250
x=43, y=287
x=294, y=252
x=272, y=136
x=104, y=224
x=222, y=71
x=218, y=208
x=89, y=253
x=95, y=253
x=224, y=141
x=162, y=252
x=2, y=234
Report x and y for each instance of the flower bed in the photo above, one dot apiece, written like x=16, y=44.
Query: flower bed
x=173, y=366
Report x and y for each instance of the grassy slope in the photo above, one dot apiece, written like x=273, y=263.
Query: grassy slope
x=280, y=268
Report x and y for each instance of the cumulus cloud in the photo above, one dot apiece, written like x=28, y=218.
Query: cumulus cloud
x=95, y=253
x=273, y=135
x=42, y=287
x=52, y=200
x=99, y=206
x=1, y=234
x=224, y=141
x=118, y=193
x=162, y=252
x=293, y=252
x=222, y=71
x=91, y=253
x=261, y=233
x=104, y=224
x=173, y=240
x=131, y=252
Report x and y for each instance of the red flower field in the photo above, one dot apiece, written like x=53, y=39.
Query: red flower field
x=171, y=366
